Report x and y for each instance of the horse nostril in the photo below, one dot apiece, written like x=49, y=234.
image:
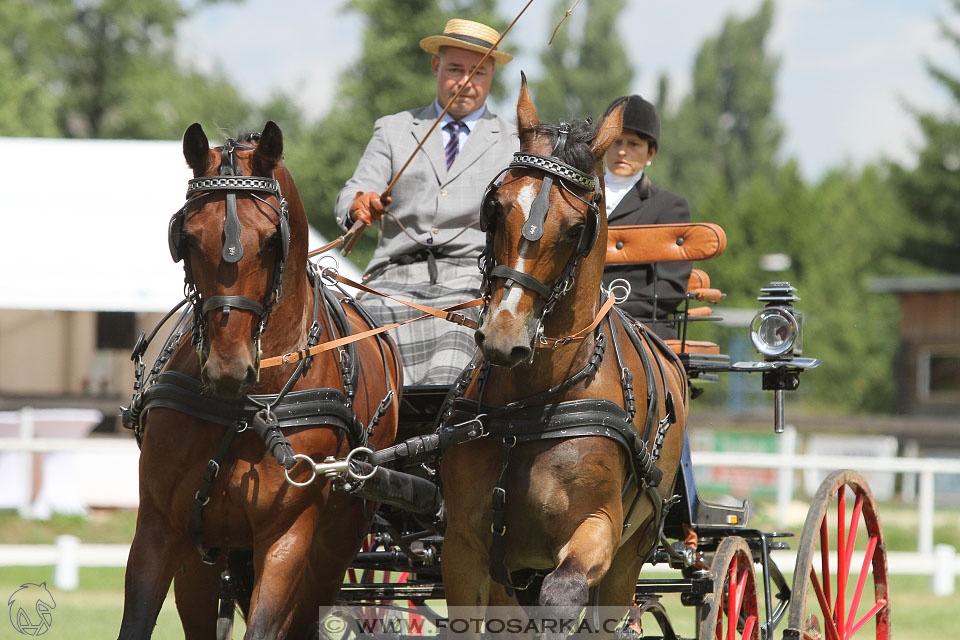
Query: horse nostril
x=478, y=337
x=251, y=377
x=519, y=354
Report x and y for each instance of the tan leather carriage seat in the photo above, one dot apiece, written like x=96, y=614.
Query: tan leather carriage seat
x=645, y=243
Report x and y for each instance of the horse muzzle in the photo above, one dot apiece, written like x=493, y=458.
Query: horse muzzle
x=230, y=376
x=506, y=340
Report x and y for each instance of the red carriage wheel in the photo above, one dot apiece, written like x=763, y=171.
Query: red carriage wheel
x=840, y=581
x=731, y=612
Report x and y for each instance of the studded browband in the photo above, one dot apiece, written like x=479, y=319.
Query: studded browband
x=525, y=160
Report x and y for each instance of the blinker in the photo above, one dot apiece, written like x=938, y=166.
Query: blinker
x=533, y=228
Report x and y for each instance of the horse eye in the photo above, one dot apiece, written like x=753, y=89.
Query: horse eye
x=573, y=233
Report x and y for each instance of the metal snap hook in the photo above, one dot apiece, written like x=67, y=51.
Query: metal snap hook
x=351, y=457
x=313, y=468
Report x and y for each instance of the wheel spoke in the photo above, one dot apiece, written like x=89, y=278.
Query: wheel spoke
x=861, y=580
x=732, y=599
x=842, y=560
x=854, y=524
x=748, y=627
x=829, y=625
x=874, y=610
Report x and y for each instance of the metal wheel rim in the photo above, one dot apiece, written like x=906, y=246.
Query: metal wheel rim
x=840, y=617
x=733, y=560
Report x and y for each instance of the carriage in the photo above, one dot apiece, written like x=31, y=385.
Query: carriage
x=420, y=476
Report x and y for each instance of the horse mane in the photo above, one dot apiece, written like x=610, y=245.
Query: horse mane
x=252, y=137
x=577, y=152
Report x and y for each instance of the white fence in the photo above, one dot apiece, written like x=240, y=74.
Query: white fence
x=929, y=559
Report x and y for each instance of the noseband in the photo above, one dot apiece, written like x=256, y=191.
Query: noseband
x=554, y=168
x=230, y=182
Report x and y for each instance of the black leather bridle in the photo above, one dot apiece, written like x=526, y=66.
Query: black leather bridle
x=230, y=182
x=566, y=175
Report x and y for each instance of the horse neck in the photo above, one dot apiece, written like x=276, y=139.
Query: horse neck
x=293, y=312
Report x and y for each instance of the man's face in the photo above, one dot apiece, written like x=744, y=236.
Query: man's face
x=451, y=69
x=629, y=154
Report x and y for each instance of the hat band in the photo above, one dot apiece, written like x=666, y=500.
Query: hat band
x=470, y=40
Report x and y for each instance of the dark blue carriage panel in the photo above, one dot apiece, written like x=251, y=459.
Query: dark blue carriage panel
x=700, y=514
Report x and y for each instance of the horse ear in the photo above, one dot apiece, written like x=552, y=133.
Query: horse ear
x=608, y=131
x=196, y=147
x=269, y=151
x=527, y=118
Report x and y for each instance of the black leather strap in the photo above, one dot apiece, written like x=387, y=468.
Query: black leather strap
x=236, y=302
x=202, y=497
x=307, y=408
x=525, y=280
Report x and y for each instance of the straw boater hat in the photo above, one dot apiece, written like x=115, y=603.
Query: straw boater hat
x=469, y=35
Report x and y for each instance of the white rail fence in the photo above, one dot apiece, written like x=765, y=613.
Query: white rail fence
x=939, y=561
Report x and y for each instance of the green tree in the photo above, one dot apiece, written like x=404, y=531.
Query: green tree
x=106, y=69
x=932, y=189
x=572, y=85
x=392, y=74
x=851, y=231
x=725, y=129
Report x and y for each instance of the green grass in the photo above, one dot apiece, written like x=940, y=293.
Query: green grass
x=94, y=610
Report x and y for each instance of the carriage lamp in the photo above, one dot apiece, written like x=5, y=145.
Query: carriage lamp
x=777, y=330
x=777, y=333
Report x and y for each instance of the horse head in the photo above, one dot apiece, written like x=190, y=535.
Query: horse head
x=546, y=233
x=233, y=235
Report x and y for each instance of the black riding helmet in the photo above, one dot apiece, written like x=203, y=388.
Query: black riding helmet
x=639, y=115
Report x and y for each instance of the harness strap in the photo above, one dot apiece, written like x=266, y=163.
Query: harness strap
x=202, y=497
x=524, y=279
x=307, y=408
x=553, y=343
x=498, y=568
x=237, y=302
x=446, y=314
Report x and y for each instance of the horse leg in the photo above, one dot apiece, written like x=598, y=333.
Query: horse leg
x=196, y=587
x=581, y=564
x=154, y=555
x=296, y=574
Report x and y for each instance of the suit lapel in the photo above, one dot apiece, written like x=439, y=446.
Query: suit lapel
x=484, y=134
x=433, y=147
x=632, y=200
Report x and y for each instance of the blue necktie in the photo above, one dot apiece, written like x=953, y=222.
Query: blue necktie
x=453, y=146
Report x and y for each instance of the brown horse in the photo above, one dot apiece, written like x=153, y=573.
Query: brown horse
x=551, y=493
x=252, y=289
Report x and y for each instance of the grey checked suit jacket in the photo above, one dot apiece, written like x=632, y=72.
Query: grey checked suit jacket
x=432, y=203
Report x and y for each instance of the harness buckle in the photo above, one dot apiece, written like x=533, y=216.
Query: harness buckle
x=499, y=498
x=212, y=471
x=501, y=533
x=196, y=498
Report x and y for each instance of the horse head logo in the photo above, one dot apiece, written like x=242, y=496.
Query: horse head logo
x=30, y=607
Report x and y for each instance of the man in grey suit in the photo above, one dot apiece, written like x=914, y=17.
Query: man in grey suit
x=632, y=199
x=429, y=237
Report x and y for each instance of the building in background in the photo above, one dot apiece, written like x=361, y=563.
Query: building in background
x=86, y=266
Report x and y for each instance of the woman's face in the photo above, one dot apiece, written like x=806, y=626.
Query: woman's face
x=629, y=154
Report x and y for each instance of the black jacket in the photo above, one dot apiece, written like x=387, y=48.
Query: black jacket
x=646, y=204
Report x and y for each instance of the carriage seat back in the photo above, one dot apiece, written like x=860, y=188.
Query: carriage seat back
x=643, y=243
x=695, y=241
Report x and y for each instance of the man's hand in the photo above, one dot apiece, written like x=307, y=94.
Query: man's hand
x=368, y=207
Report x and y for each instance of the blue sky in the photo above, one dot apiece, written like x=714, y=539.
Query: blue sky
x=848, y=67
